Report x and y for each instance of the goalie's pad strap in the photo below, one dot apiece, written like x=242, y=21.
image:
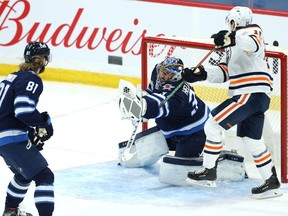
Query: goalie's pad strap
x=147, y=132
x=182, y=161
x=228, y=155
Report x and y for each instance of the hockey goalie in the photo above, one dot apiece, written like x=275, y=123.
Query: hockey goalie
x=179, y=116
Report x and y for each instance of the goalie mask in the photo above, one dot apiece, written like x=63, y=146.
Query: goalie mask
x=170, y=69
x=239, y=17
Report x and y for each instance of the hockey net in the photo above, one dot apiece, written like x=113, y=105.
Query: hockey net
x=191, y=51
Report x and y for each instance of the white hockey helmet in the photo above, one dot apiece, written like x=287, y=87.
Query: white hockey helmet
x=241, y=16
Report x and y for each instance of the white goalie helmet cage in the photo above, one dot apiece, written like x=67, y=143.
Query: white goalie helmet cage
x=173, y=65
x=242, y=16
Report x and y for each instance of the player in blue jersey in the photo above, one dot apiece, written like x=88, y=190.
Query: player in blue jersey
x=181, y=119
x=23, y=130
x=250, y=86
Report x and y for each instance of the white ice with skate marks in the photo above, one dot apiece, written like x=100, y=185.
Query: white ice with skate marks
x=83, y=154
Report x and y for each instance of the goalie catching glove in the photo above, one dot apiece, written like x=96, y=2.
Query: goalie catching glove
x=224, y=39
x=194, y=74
x=42, y=132
x=131, y=104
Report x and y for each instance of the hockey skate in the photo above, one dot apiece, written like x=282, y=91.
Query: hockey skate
x=269, y=189
x=204, y=177
x=15, y=212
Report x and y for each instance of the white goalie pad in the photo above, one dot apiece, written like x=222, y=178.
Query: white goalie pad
x=130, y=101
x=150, y=145
x=173, y=170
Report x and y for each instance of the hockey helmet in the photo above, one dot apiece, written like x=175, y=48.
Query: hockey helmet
x=37, y=48
x=241, y=16
x=173, y=65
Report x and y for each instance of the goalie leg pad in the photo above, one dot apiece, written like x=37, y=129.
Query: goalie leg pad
x=173, y=170
x=150, y=145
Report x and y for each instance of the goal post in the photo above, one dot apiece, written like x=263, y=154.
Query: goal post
x=191, y=51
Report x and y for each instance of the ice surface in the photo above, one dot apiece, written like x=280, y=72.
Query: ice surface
x=88, y=180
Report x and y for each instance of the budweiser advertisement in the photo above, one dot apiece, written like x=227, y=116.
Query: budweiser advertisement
x=105, y=36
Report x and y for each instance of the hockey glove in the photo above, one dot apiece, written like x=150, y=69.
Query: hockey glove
x=224, y=39
x=194, y=74
x=131, y=104
x=34, y=139
x=45, y=131
x=132, y=107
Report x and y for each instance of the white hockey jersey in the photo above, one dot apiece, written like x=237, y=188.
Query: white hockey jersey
x=244, y=64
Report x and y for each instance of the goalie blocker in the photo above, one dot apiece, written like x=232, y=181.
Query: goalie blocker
x=149, y=146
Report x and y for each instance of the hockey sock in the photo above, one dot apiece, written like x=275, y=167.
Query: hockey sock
x=44, y=199
x=16, y=192
x=44, y=192
x=261, y=155
x=212, y=151
x=213, y=145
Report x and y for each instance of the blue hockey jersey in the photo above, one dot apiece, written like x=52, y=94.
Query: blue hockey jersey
x=183, y=114
x=19, y=95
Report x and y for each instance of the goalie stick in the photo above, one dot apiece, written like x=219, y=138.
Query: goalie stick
x=182, y=83
x=127, y=155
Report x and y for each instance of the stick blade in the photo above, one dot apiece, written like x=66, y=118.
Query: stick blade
x=127, y=155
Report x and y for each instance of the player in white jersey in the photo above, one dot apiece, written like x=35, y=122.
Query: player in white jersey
x=247, y=70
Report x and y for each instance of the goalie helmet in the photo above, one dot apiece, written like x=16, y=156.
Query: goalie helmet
x=36, y=48
x=241, y=16
x=173, y=65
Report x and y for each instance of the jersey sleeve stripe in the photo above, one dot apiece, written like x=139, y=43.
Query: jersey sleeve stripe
x=24, y=99
x=257, y=42
x=23, y=110
x=224, y=69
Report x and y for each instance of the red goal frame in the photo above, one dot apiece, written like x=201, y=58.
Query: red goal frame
x=194, y=44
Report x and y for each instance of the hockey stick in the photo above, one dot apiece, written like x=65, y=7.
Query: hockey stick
x=182, y=83
x=127, y=155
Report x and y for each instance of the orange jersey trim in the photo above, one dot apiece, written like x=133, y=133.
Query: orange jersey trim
x=237, y=104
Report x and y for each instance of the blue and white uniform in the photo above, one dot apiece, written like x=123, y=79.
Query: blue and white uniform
x=181, y=119
x=19, y=94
